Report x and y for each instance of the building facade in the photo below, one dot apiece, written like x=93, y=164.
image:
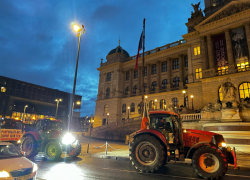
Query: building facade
x=216, y=49
x=38, y=102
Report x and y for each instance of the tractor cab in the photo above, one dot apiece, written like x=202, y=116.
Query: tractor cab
x=48, y=125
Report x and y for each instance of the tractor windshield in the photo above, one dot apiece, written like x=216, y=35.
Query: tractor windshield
x=161, y=121
x=55, y=125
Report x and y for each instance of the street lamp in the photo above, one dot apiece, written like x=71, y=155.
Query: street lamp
x=155, y=103
x=80, y=31
x=24, y=110
x=78, y=102
x=184, y=92
x=192, y=102
x=57, y=100
x=107, y=118
x=128, y=111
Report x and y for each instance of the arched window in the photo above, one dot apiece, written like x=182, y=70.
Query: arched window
x=175, y=101
x=107, y=92
x=186, y=80
x=126, y=90
x=220, y=94
x=151, y=104
x=132, y=107
x=244, y=90
x=164, y=84
x=134, y=90
x=163, y=104
x=153, y=86
x=106, y=109
x=176, y=81
x=124, y=108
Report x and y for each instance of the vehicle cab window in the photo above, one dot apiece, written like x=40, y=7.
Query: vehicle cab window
x=161, y=122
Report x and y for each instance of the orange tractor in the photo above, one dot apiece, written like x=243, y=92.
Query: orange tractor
x=163, y=140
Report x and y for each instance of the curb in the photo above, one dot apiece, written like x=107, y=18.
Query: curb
x=171, y=162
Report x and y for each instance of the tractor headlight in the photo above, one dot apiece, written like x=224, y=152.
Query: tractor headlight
x=222, y=144
x=68, y=139
x=35, y=168
x=4, y=174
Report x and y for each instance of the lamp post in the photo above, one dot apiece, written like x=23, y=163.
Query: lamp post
x=57, y=100
x=155, y=104
x=107, y=118
x=184, y=92
x=80, y=31
x=128, y=111
x=192, y=102
x=24, y=111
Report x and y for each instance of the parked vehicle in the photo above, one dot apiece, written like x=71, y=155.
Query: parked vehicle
x=13, y=165
x=164, y=140
x=10, y=130
x=47, y=136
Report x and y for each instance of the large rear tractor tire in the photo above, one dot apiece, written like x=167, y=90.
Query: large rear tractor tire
x=146, y=153
x=76, y=152
x=29, y=146
x=209, y=162
x=53, y=151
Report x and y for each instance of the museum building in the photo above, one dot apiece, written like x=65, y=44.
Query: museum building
x=215, y=50
x=22, y=100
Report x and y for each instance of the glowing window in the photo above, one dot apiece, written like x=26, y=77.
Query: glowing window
x=243, y=66
x=151, y=104
x=198, y=73
x=223, y=70
x=163, y=104
x=3, y=89
x=220, y=94
x=244, y=90
x=197, y=50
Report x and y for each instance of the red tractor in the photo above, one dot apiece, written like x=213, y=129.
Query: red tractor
x=47, y=136
x=164, y=140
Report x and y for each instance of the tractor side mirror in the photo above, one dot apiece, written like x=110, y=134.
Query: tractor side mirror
x=23, y=153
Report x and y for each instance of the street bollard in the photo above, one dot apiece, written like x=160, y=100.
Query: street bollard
x=88, y=147
x=106, y=148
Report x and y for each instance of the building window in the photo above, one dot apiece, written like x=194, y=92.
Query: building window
x=124, y=108
x=134, y=90
x=107, y=92
x=220, y=94
x=153, y=86
x=153, y=69
x=145, y=86
x=126, y=90
x=106, y=109
x=186, y=79
x=176, y=81
x=132, y=107
x=151, y=104
x=127, y=75
x=197, y=50
x=163, y=104
x=243, y=67
x=109, y=76
x=175, y=63
x=3, y=89
x=135, y=74
x=164, y=66
x=164, y=84
x=244, y=90
x=175, y=101
x=222, y=70
x=186, y=61
x=145, y=71
x=198, y=73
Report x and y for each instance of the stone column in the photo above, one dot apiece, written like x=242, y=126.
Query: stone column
x=130, y=81
x=210, y=51
x=148, y=78
x=169, y=60
x=247, y=27
x=181, y=69
x=158, y=72
x=231, y=66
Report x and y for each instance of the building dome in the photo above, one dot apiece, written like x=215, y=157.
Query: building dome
x=118, y=49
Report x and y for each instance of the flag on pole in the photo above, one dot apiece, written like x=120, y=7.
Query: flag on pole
x=145, y=117
x=139, y=48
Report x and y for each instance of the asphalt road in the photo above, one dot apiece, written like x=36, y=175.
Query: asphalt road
x=86, y=167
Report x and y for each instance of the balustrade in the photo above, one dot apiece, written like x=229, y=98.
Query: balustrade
x=196, y=116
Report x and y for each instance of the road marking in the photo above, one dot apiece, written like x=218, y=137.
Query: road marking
x=237, y=175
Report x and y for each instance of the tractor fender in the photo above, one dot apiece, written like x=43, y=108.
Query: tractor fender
x=34, y=134
x=153, y=132
x=195, y=145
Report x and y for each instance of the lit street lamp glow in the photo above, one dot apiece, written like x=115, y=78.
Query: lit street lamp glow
x=78, y=102
x=76, y=28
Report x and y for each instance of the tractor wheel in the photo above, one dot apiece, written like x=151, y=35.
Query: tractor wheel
x=53, y=151
x=146, y=153
x=77, y=151
x=29, y=146
x=209, y=162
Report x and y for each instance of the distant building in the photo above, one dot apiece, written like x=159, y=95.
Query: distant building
x=41, y=101
x=216, y=49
